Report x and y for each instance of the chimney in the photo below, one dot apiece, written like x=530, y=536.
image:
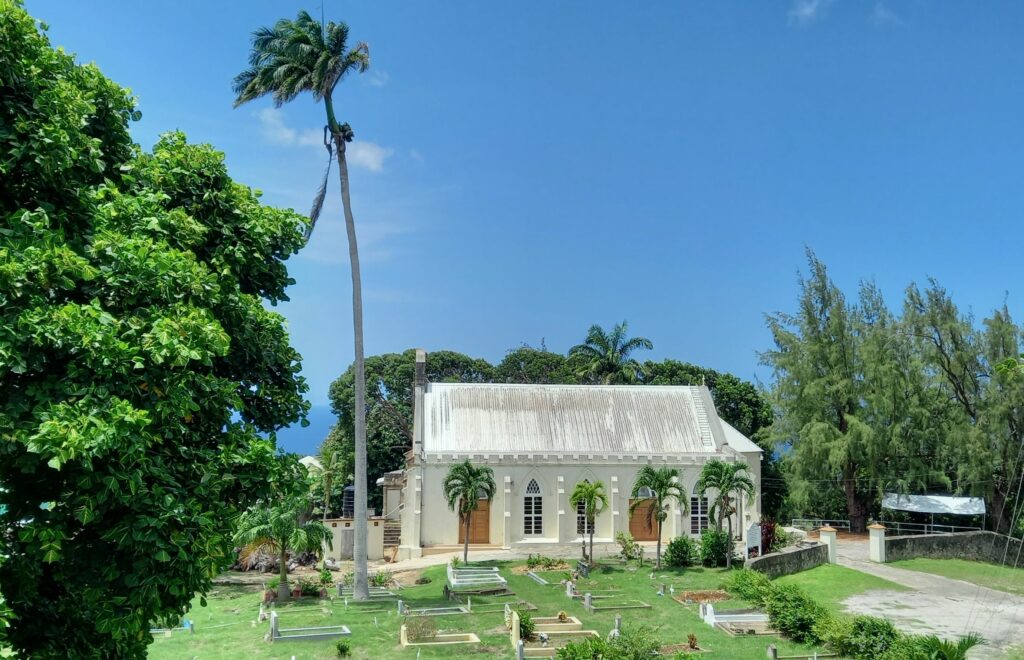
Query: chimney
x=421, y=368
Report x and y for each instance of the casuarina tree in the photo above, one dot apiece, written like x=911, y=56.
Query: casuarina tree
x=464, y=486
x=290, y=58
x=142, y=377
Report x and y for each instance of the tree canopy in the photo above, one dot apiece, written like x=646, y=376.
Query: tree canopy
x=141, y=376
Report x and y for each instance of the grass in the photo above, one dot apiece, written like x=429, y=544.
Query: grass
x=227, y=628
x=1001, y=578
x=831, y=584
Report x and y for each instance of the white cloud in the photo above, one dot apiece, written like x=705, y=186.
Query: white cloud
x=277, y=132
x=369, y=155
x=882, y=15
x=377, y=78
x=805, y=12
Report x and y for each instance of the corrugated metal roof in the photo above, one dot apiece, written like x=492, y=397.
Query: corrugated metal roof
x=577, y=419
x=737, y=440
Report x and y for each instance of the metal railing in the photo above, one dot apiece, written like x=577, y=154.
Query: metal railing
x=893, y=528
x=815, y=523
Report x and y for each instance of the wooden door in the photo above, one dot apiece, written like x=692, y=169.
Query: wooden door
x=479, y=524
x=638, y=524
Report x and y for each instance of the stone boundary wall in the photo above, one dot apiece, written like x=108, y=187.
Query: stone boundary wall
x=978, y=546
x=789, y=560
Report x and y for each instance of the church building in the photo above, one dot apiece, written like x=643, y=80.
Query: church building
x=540, y=441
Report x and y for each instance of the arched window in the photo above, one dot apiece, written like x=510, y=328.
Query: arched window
x=698, y=513
x=582, y=526
x=533, y=507
x=644, y=493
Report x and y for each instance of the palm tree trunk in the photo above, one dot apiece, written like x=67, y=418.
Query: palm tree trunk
x=729, y=545
x=361, y=590
x=591, y=557
x=658, y=551
x=465, y=538
x=283, y=592
x=327, y=506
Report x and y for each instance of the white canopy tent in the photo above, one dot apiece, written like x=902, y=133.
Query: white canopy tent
x=962, y=506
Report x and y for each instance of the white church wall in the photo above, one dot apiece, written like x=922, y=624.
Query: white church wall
x=438, y=525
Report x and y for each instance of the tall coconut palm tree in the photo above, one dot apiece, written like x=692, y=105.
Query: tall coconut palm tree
x=464, y=486
x=727, y=479
x=281, y=528
x=594, y=501
x=663, y=484
x=286, y=60
x=604, y=356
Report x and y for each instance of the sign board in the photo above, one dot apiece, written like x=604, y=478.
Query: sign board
x=753, y=541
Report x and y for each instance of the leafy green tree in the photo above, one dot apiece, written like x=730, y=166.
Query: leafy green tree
x=663, y=483
x=594, y=500
x=464, y=486
x=535, y=366
x=141, y=377
x=286, y=60
x=730, y=481
x=281, y=527
x=389, y=404
x=605, y=356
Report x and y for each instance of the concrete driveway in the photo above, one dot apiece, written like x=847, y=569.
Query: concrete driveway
x=937, y=605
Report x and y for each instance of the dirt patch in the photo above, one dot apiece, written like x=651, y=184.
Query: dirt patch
x=680, y=648
x=706, y=596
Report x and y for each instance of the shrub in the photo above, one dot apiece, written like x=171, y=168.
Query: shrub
x=714, y=544
x=343, y=648
x=751, y=586
x=326, y=579
x=423, y=580
x=794, y=613
x=589, y=648
x=628, y=547
x=680, y=552
x=868, y=638
x=273, y=583
x=634, y=643
x=782, y=539
x=309, y=586
x=526, y=623
x=382, y=579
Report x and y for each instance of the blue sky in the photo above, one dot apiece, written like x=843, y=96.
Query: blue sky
x=523, y=170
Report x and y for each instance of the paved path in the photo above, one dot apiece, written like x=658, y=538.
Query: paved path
x=937, y=605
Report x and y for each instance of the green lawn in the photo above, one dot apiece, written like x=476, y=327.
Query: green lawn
x=831, y=584
x=226, y=628
x=1003, y=578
